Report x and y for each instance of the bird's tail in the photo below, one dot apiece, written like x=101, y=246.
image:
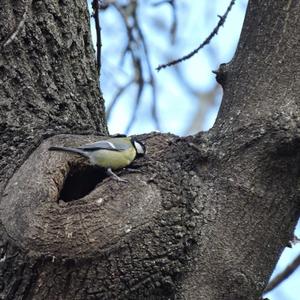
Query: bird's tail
x=68, y=149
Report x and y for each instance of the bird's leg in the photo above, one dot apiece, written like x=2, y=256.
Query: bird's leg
x=110, y=173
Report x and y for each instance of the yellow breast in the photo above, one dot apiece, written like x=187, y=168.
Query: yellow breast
x=113, y=159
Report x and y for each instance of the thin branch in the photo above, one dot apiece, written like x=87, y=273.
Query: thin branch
x=131, y=48
x=162, y=2
x=206, y=41
x=95, y=5
x=151, y=76
x=288, y=271
x=141, y=84
x=174, y=23
x=117, y=96
x=174, y=16
x=138, y=49
x=296, y=240
x=129, y=32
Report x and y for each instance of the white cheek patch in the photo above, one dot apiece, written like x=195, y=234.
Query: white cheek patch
x=139, y=148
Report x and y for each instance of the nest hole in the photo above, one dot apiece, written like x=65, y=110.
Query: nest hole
x=80, y=181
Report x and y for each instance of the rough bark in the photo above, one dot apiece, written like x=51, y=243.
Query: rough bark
x=47, y=76
x=208, y=216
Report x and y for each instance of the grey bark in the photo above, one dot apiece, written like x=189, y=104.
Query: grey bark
x=208, y=216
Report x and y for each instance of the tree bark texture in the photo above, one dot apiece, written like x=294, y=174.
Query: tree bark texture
x=208, y=215
x=47, y=76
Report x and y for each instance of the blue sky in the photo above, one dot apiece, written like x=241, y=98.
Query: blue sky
x=175, y=106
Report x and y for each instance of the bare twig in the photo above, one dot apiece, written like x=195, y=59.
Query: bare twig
x=283, y=275
x=296, y=240
x=136, y=105
x=132, y=48
x=162, y=2
x=96, y=5
x=117, y=96
x=174, y=23
x=174, y=15
x=131, y=41
x=151, y=79
x=17, y=30
x=206, y=41
x=138, y=50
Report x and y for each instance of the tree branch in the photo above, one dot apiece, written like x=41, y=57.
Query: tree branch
x=206, y=41
x=95, y=5
x=286, y=273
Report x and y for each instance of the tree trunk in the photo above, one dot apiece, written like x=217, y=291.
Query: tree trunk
x=208, y=216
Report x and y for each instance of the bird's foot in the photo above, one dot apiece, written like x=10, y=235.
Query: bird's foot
x=115, y=176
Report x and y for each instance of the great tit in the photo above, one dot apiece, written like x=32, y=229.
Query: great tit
x=110, y=154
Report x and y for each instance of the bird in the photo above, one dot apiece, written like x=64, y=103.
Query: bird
x=111, y=154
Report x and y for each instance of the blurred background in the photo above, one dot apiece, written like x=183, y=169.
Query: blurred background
x=137, y=37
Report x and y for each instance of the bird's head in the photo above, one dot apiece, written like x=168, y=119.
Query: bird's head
x=140, y=148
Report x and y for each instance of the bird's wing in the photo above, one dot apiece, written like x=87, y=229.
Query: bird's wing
x=104, y=145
